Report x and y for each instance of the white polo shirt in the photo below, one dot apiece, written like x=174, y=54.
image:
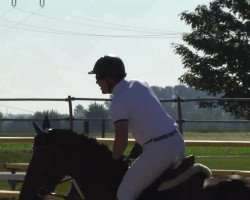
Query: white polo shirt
x=136, y=102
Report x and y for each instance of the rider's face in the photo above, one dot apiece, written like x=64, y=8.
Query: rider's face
x=102, y=84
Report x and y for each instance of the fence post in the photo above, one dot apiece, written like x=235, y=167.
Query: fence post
x=179, y=100
x=42, y=3
x=13, y=3
x=70, y=113
x=103, y=128
x=86, y=127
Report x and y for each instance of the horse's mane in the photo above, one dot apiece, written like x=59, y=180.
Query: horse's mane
x=89, y=155
x=94, y=146
x=80, y=143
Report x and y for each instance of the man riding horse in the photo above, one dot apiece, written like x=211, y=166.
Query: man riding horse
x=136, y=109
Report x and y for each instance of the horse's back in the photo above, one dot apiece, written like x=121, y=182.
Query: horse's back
x=227, y=188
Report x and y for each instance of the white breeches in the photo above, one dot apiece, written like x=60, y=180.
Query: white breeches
x=156, y=157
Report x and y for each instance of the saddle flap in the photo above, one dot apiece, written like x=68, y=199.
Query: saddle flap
x=172, y=172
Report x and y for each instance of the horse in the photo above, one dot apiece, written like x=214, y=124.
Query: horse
x=61, y=152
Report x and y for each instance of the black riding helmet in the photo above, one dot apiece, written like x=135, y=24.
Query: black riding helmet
x=109, y=66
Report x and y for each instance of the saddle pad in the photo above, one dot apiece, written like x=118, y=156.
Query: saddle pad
x=196, y=168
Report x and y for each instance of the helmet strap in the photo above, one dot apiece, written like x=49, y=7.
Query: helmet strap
x=110, y=84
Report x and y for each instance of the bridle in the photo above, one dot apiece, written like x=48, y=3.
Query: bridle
x=45, y=190
x=48, y=186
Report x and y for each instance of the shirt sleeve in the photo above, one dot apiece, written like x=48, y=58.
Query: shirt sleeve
x=119, y=111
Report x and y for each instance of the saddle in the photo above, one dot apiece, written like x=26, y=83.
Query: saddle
x=174, y=176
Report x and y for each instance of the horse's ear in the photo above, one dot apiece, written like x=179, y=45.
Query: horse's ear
x=46, y=123
x=38, y=129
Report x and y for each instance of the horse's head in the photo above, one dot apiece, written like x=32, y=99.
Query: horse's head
x=61, y=152
x=45, y=170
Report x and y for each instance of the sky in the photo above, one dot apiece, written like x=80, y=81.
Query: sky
x=46, y=51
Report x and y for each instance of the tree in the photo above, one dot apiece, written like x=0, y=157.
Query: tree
x=178, y=91
x=96, y=111
x=18, y=126
x=79, y=111
x=52, y=114
x=217, y=54
x=166, y=93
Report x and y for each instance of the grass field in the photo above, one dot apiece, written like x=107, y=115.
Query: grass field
x=21, y=152
x=228, y=136
x=221, y=157
x=214, y=157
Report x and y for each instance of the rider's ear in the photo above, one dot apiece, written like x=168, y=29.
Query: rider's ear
x=110, y=80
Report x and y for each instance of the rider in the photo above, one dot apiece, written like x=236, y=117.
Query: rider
x=136, y=109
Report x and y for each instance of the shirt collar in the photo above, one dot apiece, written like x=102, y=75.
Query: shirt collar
x=118, y=86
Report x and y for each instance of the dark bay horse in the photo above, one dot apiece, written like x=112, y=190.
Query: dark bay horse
x=61, y=152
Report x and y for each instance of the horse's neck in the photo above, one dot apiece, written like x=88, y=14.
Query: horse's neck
x=94, y=169
x=104, y=178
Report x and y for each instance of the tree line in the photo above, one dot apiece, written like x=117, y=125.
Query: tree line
x=96, y=111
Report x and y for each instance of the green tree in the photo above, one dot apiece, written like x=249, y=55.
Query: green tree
x=96, y=111
x=52, y=114
x=18, y=126
x=163, y=93
x=181, y=91
x=166, y=93
x=79, y=111
x=192, y=111
x=217, y=52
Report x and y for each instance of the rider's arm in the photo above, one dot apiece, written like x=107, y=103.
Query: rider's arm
x=121, y=139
